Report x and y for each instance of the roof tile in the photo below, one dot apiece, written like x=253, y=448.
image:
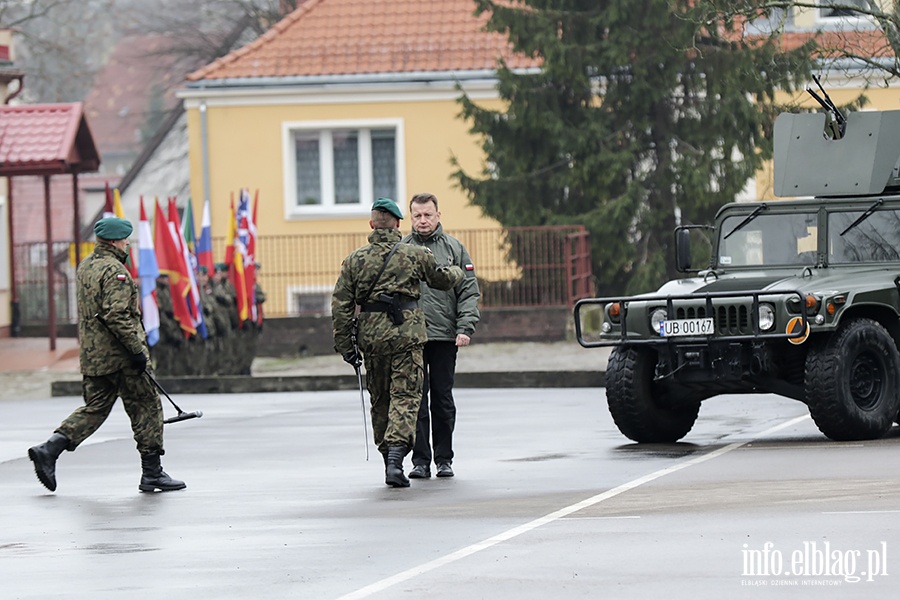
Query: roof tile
x=344, y=37
x=44, y=139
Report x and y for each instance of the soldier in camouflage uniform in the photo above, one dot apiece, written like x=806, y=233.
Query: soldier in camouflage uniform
x=171, y=336
x=226, y=298
x=391, y=329
x=113, y=362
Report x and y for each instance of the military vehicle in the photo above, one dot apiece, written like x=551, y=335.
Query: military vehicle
x=800, y=298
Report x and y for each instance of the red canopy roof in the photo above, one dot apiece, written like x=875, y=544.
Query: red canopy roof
x=46, y=139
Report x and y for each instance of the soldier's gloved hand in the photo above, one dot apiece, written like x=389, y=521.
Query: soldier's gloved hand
x=139, y=362
x=352, y=358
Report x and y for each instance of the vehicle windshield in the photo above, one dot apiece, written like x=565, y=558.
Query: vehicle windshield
x=876, y=239
x=777, y=239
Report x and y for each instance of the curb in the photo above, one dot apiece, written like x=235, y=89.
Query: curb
x=322, y=383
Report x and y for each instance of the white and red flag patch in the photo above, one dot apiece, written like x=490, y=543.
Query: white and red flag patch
x=122, y=277
x=470, y=267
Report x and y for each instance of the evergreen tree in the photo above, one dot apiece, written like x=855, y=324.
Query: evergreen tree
x=638, y=117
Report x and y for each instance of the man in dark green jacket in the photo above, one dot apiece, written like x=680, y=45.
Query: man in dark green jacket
x=113, y=362
x=391, y=328
x=450, y=317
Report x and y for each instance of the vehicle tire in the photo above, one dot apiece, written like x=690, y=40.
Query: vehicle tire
x=852, y=382
x=632, y=399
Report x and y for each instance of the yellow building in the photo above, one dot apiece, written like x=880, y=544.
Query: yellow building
x=342, y=102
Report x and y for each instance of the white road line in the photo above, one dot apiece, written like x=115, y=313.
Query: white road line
x=602, y=518
x=509, y=534
x=861, y=512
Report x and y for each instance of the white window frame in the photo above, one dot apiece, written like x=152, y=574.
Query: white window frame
x=328, y=208
x=293, y=291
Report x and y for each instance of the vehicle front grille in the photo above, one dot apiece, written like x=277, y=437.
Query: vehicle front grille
x=690, y=312
x=733, y=319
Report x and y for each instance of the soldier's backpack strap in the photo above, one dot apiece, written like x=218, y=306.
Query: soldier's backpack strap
x=377, y=277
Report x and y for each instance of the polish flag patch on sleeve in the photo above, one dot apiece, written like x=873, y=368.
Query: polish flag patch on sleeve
x=470, y=267
x=122, y=277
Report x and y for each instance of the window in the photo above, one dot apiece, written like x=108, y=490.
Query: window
x=874, y=239
x=836, y=9
x=341, y=168
x=306, y=300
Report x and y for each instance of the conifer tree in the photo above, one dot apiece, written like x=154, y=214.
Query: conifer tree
x=638, y=118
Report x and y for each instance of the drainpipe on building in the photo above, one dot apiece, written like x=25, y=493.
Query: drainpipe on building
x=204, y=144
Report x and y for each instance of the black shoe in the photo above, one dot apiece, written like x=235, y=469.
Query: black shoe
x=153, y=478
x=444, y=470
x=420, y=472
x=44, y=458
x=393, y=473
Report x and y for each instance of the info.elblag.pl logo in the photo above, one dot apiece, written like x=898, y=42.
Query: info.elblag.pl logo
x=812, y=563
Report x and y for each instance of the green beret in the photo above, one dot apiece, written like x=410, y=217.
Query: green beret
x=221, y=267
x=203, y=270
x=113, y=228
x=389, y=206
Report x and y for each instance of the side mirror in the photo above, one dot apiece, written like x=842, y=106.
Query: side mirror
x=682, y=250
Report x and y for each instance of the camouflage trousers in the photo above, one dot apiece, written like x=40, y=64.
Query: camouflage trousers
x=141, y=402
x=395, y=382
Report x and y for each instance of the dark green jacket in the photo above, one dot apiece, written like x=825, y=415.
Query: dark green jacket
x=104, y=287
x=409, y=266
x=454, y=311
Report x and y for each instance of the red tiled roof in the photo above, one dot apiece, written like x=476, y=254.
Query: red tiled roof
x=45, y=139
x=345, y=37
x=861, y=42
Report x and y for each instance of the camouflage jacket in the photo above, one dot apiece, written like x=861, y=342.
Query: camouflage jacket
x=455, y=311
x=104, y=287
x=408, y=267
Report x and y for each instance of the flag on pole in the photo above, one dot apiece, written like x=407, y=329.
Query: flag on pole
x=189, y=236
x=148, y=271
x=109, y=209
x=204, y=244
x=170, y=263
x=256, y=303
x=112, y=207
x=234, y=258
x=247, y=235
x=193, y=296
x=130, y=263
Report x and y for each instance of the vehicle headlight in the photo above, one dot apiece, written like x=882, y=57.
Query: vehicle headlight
x=766, y=317
x=656, y=318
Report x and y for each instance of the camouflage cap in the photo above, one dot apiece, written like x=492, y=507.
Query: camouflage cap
x=389, y=206
x=113, y=228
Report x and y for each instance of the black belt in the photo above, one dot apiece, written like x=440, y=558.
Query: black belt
x=384, y=306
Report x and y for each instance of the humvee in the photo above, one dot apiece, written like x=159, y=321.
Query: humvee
x=800, y=297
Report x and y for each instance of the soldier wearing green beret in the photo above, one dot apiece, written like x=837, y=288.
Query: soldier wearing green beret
x=113, y=362
x=391, y=328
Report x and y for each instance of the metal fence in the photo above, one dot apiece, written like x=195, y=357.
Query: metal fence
x=515, y=266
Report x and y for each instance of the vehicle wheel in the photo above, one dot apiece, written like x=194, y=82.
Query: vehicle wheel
x=632, y=398
x=852, y=382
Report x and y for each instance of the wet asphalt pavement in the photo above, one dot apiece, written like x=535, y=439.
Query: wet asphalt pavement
x=549, y=501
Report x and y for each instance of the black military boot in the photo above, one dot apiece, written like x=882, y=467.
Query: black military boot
x=393, y=473
x=154, y=478
x=44, y=458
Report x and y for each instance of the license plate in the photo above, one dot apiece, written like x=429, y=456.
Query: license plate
x=686, y=327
